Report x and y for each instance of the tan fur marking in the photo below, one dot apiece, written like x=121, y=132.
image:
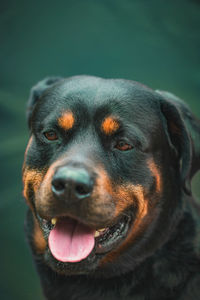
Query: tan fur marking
x=38, y=238
x=156, y=173
x=109, y=125
x=123, y=195
x=66, y=121
x=31, y=177
x=28, y=146
x=103, y=181
x=130, y=194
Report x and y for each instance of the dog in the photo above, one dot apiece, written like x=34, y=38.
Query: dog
x=107, y=179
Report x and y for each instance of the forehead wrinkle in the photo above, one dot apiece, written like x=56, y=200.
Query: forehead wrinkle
x=66, y=120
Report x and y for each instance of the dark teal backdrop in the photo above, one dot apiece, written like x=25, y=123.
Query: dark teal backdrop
x=156, y=42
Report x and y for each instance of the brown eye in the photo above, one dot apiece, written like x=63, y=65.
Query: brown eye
x=123, y=146
x=51, y=135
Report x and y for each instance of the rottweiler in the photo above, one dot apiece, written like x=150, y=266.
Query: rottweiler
x=107, y=179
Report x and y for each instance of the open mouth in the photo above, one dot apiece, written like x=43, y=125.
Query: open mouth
x=72, y=241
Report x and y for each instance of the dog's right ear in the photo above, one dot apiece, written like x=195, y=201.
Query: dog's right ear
x=184, y=133
x=36, y=92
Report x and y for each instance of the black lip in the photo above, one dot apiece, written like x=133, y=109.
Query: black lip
x=113, y=236
x=105, y=243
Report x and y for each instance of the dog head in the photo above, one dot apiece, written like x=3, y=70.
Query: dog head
x=104, y=171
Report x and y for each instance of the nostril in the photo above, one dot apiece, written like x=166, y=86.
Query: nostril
x=72, y=184
x=58, y=186
x=82, y=190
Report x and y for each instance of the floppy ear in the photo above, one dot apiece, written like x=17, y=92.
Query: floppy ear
x=184, y=134
x=37, y=91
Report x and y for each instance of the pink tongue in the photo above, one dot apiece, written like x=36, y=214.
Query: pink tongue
x=70, y=241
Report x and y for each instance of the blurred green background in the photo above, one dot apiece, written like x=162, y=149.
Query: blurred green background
x=156, y=42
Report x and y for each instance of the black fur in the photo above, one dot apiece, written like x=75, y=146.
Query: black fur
x=164, y=261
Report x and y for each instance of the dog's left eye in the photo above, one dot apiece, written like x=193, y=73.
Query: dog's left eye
x=51, y=135
x=123, y=146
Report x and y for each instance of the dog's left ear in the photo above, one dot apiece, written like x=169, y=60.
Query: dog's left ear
x=183, y=131
x=36, y=91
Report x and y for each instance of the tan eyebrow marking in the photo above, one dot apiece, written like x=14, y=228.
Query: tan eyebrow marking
x=109, y=125
x=67, y=120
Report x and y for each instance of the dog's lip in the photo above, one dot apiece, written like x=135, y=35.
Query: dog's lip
x=108, y=237
x=113, y=235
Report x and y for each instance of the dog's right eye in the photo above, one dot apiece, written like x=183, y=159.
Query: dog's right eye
x=50, y=135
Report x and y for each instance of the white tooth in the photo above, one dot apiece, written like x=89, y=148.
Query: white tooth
x=102, y=229
x=97, y=233
x=54, y=221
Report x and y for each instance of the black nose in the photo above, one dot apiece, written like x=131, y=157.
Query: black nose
x=70, y=183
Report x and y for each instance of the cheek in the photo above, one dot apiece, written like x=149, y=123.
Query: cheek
x=119, y=197
x=101, y=203
x=32, y=179
x=143, y=203
x=156, y=174
x=127, y=196
x=136, y=231
x=28, y=147
x=38, y=239
x=131, y=195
